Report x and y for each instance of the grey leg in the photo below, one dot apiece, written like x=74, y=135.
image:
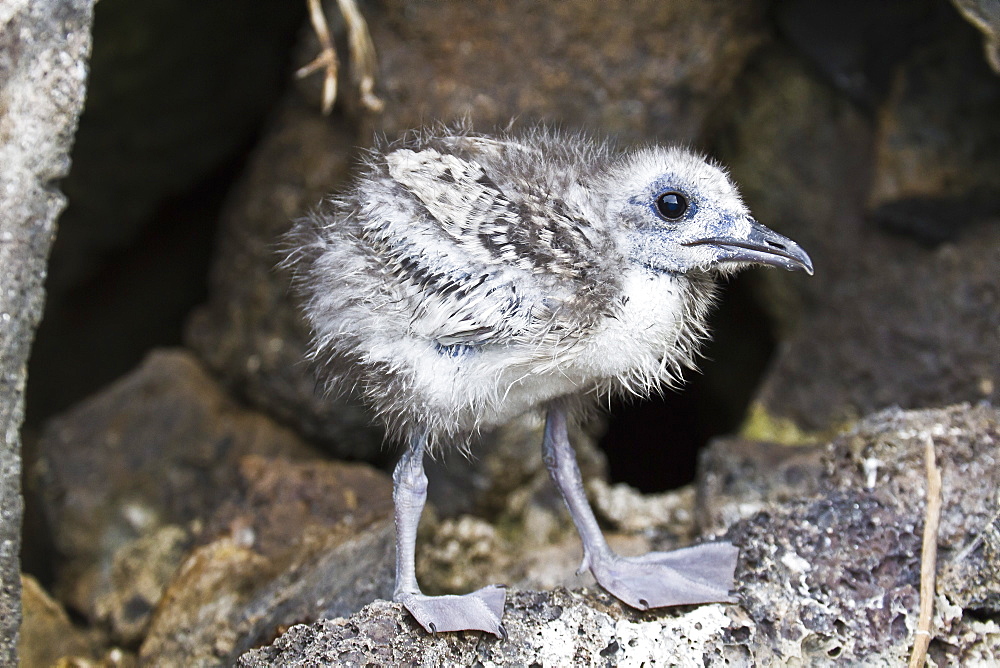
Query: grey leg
x=409, y=494
x=479, y=611
x=699, y=574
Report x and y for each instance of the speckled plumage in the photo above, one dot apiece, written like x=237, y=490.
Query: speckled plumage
x=464, y=280
x=491, y=263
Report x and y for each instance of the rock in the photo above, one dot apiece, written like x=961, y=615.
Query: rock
x=876, y=326
x=276, y=501
x=886, y=456
x=937, y=150
x=299, y=541
x=176, y=97
x=193, y=529
x=47, y=634
x=157, y=448
x=821, y=574
x=558, y=628
x=625, y=509
x=43, y=68
x=503, y=463
x=162, y=82
x=140, y=572
x=889, y=336
x=830, y=575
x=639, y=71
x=250, y=332
x=533, y=545
x=206, y=583
x=985, y=15
x=741, y=477
x=801, y=154
x=858, y=56
x=509, y=524
x=817, y=578
x=461, y=555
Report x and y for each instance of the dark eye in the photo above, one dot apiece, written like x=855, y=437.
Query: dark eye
x=672, y=205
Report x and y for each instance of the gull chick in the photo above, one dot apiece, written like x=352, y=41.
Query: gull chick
x=464, y=280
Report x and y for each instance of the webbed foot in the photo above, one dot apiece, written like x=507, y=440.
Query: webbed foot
x=480, y=610
x=699, y=574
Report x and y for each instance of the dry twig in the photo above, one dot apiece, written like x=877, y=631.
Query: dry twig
x=363, y=62
x=928, y=559
x=362, y=55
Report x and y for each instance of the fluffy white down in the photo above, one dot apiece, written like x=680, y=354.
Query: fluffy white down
x=635, y=351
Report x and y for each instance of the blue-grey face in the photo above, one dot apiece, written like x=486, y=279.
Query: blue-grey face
x=682, y=213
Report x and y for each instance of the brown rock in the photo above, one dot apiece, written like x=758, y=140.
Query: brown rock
x=818, y=575
x=293, y=542
x=199, y=597
x=801, y=154
x=741, y=477
x=153, y=126
x=886, y=455
x=140, y=572
x=858, y=57
x=913, y=328
x=937, y=150
x=158, y=447
x=277, y=501
x=250, y=331
x=176, y=96
x=557, y=628
x=47, y=634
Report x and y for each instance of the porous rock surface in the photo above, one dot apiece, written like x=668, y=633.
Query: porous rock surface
x=831, y=576
x=44, y=48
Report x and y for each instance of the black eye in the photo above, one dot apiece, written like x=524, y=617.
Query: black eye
x=672, y=205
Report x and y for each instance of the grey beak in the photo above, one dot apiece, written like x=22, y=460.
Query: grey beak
x=761, y=245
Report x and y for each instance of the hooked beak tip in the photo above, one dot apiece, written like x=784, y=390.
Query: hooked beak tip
x=759, y=245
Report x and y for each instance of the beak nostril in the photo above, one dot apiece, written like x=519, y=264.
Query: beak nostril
x=773, y=244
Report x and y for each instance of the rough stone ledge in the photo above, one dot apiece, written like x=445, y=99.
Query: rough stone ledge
x=833, y=575
x=560, y=627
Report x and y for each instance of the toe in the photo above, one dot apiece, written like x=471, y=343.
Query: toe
x=479, y=611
